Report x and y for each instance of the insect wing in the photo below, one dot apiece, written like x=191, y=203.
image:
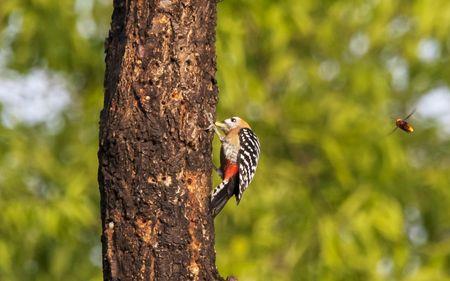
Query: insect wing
x=409, y=115
x=395, y=129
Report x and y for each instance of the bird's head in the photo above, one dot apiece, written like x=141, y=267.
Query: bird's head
x=232, y=123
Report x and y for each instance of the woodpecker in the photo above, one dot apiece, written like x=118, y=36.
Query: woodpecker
x=239, y=156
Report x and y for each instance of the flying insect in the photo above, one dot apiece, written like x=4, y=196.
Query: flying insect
x=403, y=124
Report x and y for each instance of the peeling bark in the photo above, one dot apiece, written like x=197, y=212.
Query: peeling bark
x=154, y=154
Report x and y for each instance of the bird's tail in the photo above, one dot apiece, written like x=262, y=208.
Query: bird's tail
x=221, y=194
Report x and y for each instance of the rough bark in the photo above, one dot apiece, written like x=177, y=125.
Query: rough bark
x=154, y=154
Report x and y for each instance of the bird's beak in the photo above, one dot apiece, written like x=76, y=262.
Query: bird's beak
x=221, y=125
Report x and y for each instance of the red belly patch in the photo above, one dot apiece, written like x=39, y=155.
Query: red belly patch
x=230, y=170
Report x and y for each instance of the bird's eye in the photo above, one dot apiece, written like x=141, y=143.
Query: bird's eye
x=233, y=119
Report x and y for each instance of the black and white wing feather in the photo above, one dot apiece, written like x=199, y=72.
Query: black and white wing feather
x=247, y=159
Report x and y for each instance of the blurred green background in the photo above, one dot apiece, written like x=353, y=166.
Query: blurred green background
x=321, y=82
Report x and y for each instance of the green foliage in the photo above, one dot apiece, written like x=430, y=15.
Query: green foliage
x=334, y=197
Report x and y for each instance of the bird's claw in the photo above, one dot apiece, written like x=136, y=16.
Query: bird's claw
x=210, y=118
x=209, y=128
x=212, y=125
x=211, y=122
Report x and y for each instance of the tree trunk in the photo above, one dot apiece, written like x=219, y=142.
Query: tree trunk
x=154, y=155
